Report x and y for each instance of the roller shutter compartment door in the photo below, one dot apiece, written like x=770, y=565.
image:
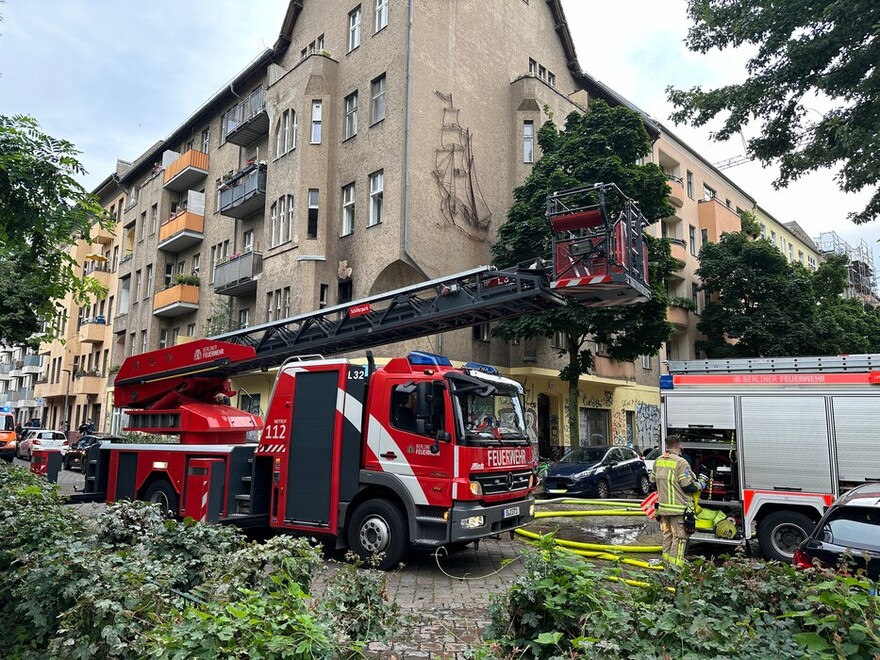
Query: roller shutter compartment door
x=683, y=411
x=785, y=443
x=858, y=444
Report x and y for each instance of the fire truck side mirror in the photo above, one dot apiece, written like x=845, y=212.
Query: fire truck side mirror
x=442, y=436
x=424, y=400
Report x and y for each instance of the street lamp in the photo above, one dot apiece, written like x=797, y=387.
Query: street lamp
x=66, y=397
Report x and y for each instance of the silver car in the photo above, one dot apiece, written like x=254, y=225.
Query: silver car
x=40, y=439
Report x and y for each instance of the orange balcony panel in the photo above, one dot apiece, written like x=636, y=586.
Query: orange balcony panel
x=92, y=333
x=176, y=300
x=88, y=385
x=48, y=390
x=182, y=231
x=677, y=194
x=102, y=236
x=103, y=276
x=717, y=218
x=678, y=248
x=186, y=171
x=677, y=316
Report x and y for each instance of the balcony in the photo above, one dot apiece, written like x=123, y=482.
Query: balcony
x=677, y=185
x=102, y=236
x=16, y=368
x=88, y=382
x=26, y=397
x=717, y=218
x=120, y=323
x=244, y=193
x=4, y=398
x=32, y=364
x=238, y=275
x=678, y=316
x=182, y=231
x=185, y=172
x=176, y=300
x=248, y=121
x=678, y=248
x=101, y=272
x=93, y=331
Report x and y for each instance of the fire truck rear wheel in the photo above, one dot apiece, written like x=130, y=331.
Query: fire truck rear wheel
x=781, y=532
x=162, y=493
x=378, y=527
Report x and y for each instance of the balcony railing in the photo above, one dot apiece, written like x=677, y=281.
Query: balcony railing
x=245, y=193
x=103, y=236
x=176, y=300
x=248, y=121
x=93, y=330
x=185, y=172
x=182, y=231
x=677, y=186
x=238, y=276
x=90, y=382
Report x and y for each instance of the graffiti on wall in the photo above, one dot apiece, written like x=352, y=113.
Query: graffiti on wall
x=532, y=424
x=647, y=424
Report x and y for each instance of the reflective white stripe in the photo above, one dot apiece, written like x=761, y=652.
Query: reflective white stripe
x=353, y=410
x=380, y=441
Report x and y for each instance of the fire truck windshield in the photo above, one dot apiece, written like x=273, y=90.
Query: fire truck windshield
x=489, y=413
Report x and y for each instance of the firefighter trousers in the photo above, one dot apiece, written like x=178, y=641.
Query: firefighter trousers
x=674, y=539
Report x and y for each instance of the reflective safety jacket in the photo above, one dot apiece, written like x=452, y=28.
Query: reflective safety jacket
x=674, y=481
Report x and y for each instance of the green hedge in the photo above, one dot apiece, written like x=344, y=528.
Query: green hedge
x=131, y=584
x=563, y=607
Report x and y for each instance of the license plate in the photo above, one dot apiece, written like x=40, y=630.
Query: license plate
x=511, y=511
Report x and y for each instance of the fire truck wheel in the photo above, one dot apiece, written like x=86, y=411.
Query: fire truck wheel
x=162, y=493
x=781, y=532
x=378, y=527
x=602, y=489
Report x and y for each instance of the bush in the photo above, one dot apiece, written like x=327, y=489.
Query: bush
x=564, y=607
x=135, y=585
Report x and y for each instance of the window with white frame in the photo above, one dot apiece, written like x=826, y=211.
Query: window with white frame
x=381, y=14
x=351, y=116
x=533, y=67
x=528, y=141
x=286, y=301
x=317, y=112
x=197, y=262
x=248, y=240
x=191, y=330
x=312, y=221
x=708, y=192
x=347, y=209
x=481, y=332
x=354, y=28
x=377, y=96
x=163, y=338
x=324, y=293
x=646, y=362
x=273, y=226
x=285, y=140
x=206, y=140
x=559, y=341
x=282, y=219
x=244, y=318
x=377, y=187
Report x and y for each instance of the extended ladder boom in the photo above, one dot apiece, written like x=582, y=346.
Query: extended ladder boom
x=827, y=364
x=459, y=301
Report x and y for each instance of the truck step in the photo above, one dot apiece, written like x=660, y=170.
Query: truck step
x=711, y=538
x=247, y=479
x=243, y=498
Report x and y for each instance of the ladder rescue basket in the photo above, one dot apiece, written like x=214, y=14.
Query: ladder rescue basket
x=597, y=260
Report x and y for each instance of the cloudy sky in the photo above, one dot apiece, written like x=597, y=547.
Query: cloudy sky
x=114, y=76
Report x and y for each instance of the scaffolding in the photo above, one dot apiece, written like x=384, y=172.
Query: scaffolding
x=862, y=278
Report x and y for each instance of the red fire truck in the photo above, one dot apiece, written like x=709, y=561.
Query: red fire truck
x=379, y=459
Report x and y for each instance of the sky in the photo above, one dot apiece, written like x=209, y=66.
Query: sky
x=115, y=76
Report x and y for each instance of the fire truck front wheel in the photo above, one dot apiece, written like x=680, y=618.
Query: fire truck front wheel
x=162, y=493
x=781, y=532
x=379, y=527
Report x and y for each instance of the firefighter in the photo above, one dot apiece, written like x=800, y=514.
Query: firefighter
x=675, y=486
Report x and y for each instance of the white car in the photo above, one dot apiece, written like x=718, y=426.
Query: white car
x=650, y=457
x=40, y=439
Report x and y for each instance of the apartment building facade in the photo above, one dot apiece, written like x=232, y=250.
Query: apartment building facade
x=790, y=239
x=20, y=370
x=375, y=145
x=72, y=387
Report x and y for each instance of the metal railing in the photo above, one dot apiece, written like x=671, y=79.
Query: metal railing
x=247, y=109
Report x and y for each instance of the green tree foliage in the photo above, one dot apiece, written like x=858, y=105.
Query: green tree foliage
x=759, y=305
x=604, y=145
x=808, y=54
x=43, y=212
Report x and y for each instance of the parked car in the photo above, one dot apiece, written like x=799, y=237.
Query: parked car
x=597, y=471
x=8, y=437
x=650, y=457
x=848, y=536
x=40, y=439
x=74, y=458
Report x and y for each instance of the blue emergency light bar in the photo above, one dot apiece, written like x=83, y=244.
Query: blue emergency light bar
x=484, y=368
x=666, y=382
x=422, y=359
x=5, y=409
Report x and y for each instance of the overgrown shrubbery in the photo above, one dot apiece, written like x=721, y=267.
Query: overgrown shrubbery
x=136, y=585
x=564, y=607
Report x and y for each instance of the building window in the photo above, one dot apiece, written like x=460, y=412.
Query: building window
x=124, y=295
x=347, y=209
x=351, y=116
x=811, y=262
x=154, y=218
x=206, y=140
x=143, y=226
x=143, y=341
x=695, y=295
x=381, y=14
x=285, y=140
x=692, y=236
x=312, y=228
x=559, y=341
x=377, y=107
x=244, y=316
x=344, y=292
x=132, y=339
x=773, y=237
x=282, y=215
x=528, y=142
x=197, y=262
x=286, y=298
x=690, y=184
x=316, y=122
x=801, y=256
x=377, y=187
x=323, y=295
x=551, y=79
x=191, y=330
x=646, y=362
x=248, y=240
x=354, y=28
x=149, y=287
x=481, y=332
x=708, y=192
x=533, y=67
x=704, y=237
x=163, y=338
x=790, y=251
x=273, y=226
x=137, y=287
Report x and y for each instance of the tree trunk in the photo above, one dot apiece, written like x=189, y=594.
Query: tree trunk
x=573, y=414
